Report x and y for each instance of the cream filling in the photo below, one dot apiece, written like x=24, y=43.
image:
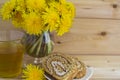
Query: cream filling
x=57, y=64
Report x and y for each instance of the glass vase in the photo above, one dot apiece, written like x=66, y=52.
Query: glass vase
x=38, y=46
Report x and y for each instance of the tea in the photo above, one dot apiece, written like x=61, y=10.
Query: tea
x=11, y=54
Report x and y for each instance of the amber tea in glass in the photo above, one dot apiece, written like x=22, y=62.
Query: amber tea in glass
x=11, y=53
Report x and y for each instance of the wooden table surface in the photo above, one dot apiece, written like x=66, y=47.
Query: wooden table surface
x=94, y=37
x=106, y=67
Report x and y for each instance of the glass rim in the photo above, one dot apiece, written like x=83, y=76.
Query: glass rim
x=13, y=37
x=10, y=40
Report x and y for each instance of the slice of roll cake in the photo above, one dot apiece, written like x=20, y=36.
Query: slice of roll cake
x=60, y=66
x=81, y=69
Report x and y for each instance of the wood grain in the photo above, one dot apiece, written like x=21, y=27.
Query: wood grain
x=91, y=36
x=106, y=67
x=97, y=8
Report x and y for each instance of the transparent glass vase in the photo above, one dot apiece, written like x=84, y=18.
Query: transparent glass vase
x=38, y=46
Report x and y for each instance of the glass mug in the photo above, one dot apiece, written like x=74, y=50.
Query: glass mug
x=11, y=53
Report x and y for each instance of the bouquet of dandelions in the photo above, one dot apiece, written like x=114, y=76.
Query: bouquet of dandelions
x=37, y=17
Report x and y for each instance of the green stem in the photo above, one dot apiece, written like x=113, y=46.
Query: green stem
x=36, y=43
x=49, y=45
x=39, y=46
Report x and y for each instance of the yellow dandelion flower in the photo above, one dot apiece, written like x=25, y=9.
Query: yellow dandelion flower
x=35, y=4
x=59, y=1
x=61, y=8
x=33, y=72
x=37, y=16
x=71, y=9
x=65, y=25
x=33, y=24
x=62, y=1
x=66, y=8
x=20, y=5
x=7, y=9
x=51, y=18
x=17, y=19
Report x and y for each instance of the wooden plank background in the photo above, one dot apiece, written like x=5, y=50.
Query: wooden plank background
x=91, y=36
x=94, y=37
x=96, y=29
x=109, y=9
